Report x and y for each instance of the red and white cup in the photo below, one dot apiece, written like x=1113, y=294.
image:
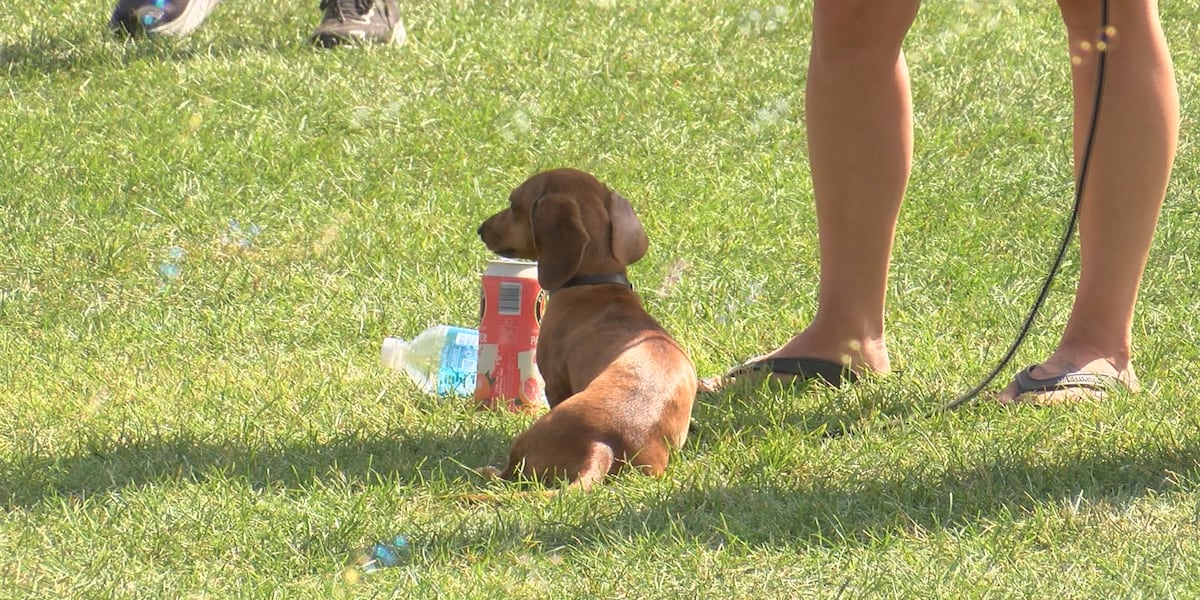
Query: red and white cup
x=510, y=316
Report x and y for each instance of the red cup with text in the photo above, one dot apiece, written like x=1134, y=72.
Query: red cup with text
x=510, y=316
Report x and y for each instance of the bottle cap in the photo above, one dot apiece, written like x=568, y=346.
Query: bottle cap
x=392, y=352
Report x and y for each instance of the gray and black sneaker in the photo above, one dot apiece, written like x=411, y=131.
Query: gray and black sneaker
x=359, y=21
x=170, y=17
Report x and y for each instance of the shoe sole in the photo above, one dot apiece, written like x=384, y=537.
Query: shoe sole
x=327, y=39
x=192, y=16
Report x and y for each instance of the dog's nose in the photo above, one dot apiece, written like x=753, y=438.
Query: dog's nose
x=479, y=231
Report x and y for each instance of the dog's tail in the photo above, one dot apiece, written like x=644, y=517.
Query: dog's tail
x=597, y=463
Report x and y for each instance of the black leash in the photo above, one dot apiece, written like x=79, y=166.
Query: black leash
x=1084, y=164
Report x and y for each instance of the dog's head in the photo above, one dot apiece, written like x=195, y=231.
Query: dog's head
x=569, y=222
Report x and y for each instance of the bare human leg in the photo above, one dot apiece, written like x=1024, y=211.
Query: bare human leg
x=858, y=113
x=1135, y=148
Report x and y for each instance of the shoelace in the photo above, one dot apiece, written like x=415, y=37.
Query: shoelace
x=341, y=8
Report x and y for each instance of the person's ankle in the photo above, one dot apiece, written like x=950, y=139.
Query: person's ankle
x=861, y=355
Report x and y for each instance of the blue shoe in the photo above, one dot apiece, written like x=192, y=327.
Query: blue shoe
x=169, y=17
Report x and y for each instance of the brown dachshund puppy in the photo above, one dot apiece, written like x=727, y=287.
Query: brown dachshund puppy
x=620, y=388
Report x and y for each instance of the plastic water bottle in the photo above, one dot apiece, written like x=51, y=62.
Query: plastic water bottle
x=441, y=360
x=384, y=554
x=380, y=555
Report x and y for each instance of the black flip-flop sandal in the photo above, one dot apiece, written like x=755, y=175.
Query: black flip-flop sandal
x=1095, y=384
x=798, y=369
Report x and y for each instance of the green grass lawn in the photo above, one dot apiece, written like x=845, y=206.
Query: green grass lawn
x=204, y=242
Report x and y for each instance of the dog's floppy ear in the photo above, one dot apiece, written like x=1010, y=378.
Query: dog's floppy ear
x=629, y=242
x=559, y=236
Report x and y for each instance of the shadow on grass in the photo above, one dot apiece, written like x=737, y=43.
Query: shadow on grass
x=395, y=457
x=761, y=506
x=87, y=51
x=755, y=409
x=765, y=506
x=793, y=511
x=49, y=54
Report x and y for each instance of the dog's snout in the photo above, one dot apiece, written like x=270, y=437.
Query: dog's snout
x=486, y=227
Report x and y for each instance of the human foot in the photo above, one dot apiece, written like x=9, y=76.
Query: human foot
x=803, y=360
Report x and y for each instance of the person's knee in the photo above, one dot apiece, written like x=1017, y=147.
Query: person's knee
x=861, y=29
x=1083, y=17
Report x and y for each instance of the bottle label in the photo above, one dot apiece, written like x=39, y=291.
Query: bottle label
x=460, y=357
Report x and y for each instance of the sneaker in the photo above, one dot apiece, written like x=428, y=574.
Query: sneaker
x=357, y=21
x=170, y=17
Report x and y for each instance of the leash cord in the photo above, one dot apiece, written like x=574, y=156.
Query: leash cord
x=1084, y=164
x=1064, y=244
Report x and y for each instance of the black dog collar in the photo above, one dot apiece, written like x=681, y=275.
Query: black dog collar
x=579, y=280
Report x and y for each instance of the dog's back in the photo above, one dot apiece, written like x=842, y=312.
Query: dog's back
x=619, y=387
x=616, y=377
